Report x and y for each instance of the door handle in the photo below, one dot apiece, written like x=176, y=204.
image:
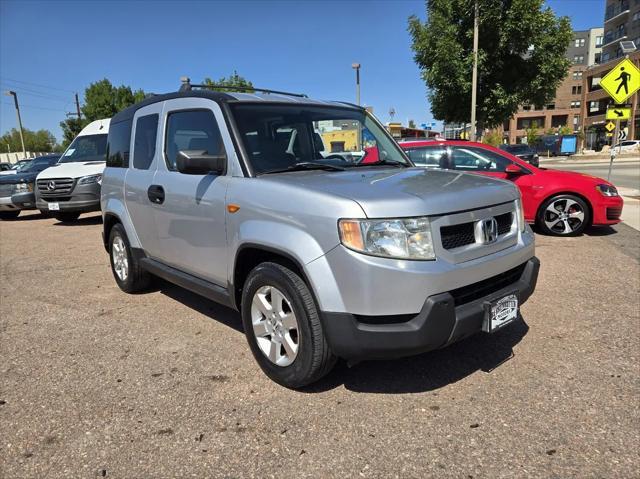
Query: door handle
x=156, y=194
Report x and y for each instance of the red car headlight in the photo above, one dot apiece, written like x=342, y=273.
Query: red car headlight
x=607, y=190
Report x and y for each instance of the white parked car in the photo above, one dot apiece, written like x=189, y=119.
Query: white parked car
x=628, y=146
x=72, y=186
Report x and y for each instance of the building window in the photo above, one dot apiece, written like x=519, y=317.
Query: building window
x=576, y=120
x=599, y=41
x=577, y=75
x=576, y=90
x=578, y=59
x=551, y=106
x=594, y=106
x=526, y=107
x=575, y=104
x=579, y=42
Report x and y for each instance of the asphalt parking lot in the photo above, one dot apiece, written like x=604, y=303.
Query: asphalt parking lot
x=97, y=383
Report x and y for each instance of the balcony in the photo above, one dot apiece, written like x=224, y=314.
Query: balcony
x=614, y=11
x=611, y=37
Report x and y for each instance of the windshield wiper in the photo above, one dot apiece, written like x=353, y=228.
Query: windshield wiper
x=397, y=164
x=306, y=165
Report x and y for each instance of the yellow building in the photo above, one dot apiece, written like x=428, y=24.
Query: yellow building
x=340, y=140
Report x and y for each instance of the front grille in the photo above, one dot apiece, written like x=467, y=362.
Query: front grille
x=55, y=186
x=504, y=223
x=6, y=190
x=457, y=235
x=614, y=213
x=474, y=291
x=464, y=234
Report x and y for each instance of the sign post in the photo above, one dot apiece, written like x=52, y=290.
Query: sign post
x=620, y=83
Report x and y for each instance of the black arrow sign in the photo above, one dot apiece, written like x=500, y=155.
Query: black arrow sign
x=619, y=113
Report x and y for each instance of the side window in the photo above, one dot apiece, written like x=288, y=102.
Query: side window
x=118, y=144
x=191, y=130
x=145, y=141
x=431, y=157
x=477, y=159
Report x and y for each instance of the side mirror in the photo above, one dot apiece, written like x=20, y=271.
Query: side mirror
x=513, y=170
x=199, y=162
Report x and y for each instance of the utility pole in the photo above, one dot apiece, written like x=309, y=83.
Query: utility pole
x=356, y=67
x=78, y=108
x=474, y=77
x=15, y=100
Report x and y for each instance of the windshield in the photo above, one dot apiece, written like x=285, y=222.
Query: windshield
x=40, y=164
x=290, y=137
x=22, y=164
x=86, y=148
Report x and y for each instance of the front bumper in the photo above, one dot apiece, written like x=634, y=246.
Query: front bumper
x=6, y=204
x=82, y=198
x=607, y=210
x=444, y=319
x=24, y=201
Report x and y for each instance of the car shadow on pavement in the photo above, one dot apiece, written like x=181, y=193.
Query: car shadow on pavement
x=429, y=371
x=83, y=221
x=600, y=231
x=27, y=217
x=211, y=309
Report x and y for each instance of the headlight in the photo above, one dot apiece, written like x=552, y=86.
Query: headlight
x=406, y=238
x=520, y=213
x=21, y=187
x=607, y=190
x=89, y=180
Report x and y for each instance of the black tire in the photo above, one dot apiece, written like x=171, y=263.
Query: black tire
x=545, y=217
x=314, y=359
x=66, y=216
x=9, y=215
x=136, y=279
x=45, y=213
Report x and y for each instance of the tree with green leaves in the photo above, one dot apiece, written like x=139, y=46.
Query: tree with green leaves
x=565, y=130
x=493, y=138
x=37, y=141
x=412, y=124
x=232, y=81
x=521, y=57
x=101, y=100
x=532, y=133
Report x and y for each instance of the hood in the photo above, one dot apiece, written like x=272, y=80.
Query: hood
x=73, y=170
x=388, y=193
x=27, y=177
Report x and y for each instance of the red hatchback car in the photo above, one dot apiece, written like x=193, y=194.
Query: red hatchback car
x=560, y=203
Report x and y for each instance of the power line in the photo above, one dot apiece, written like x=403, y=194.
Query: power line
x=34, y=107
x=36, y=84
x=35, y=93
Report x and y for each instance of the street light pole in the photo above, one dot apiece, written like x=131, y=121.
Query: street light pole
x=474, y=76
x=356, y=67
x=15, y=99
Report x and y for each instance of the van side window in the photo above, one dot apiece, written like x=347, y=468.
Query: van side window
x=118, y=144
x=191, y=130
x=144, y=147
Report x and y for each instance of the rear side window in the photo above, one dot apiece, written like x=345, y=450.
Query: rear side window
x=431, y=156
x=192, y=130
x=118, y=144
x=477, y=159
x=144, y=147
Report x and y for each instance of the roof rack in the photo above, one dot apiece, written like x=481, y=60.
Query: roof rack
x=187, y=86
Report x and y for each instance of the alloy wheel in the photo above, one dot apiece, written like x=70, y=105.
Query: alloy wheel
x=564, y=216
x=120, y=259
x=275, y=326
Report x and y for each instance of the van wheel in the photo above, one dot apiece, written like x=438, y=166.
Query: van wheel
x=283, y=327
x=66, y=216
x=9, y=215
x=131, y=278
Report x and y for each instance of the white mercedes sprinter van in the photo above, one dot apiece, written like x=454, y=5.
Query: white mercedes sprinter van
x=72, y=186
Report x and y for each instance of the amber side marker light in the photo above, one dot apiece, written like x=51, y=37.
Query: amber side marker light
x=231, y=208
x=351, y=235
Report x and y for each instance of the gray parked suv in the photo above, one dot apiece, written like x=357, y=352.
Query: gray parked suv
x=323, y=257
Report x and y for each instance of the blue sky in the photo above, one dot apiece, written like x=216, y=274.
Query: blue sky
x=50, y=49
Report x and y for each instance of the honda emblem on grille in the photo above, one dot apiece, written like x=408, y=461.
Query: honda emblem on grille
x=51, y=185
x=489, y=230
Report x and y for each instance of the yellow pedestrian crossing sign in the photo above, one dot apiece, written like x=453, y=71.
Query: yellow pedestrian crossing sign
x=622, y=82
x=618, y=112
x=610, y=126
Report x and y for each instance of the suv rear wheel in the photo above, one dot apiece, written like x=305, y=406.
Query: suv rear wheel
x=283, y=327
x=66, y=216
x=131, y=278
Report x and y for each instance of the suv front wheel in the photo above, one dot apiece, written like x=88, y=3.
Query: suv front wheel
x=283, y=326
x=131, y=278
